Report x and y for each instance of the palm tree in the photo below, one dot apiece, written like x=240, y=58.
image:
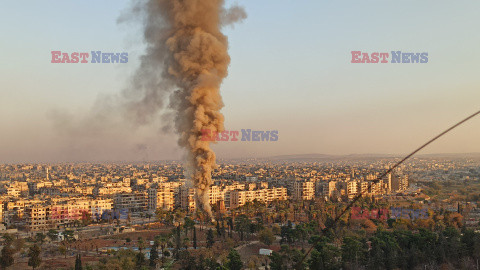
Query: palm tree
x=201, y=217
x=188, y=224
x=141, y=243
x=242, y=225
x=161, y=215
x=230, y=226
x=163, y=241
x=179, y=214
x=169, y=218
x=185, y=242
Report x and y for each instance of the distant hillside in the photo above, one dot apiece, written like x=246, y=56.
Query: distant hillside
x=451, y=155
x=351, y=157
x=325, y=157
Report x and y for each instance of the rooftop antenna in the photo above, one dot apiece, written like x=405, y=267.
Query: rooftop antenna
x=356, y=198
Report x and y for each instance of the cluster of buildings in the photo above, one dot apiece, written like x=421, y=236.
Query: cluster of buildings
x=224, y=195
x=56, y=201
x=348, y=187
x=41, y=197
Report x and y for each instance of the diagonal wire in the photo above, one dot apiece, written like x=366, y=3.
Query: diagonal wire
x=355, y=199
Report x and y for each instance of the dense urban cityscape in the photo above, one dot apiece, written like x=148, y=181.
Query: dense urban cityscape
x=239, y=135
x=265, y=213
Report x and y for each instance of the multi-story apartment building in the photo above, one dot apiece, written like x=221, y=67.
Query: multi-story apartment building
x=240, y=197
x=330, y=188
x=113, y=188
x=352, y=189
x=161, y=197
x=376, y=188
x=36, y=217
x=216, y=194
x=98, y=206
x=303, y=190
x=13, y=191
x=399, y=182
x=132, y=202
x=187, y=198
x=1, y=212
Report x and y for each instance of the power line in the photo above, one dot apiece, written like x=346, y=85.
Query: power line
x=356, y=198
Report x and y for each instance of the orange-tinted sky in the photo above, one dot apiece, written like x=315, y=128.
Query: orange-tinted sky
x=290, y=71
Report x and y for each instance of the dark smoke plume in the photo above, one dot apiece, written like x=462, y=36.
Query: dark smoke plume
x=186, y=59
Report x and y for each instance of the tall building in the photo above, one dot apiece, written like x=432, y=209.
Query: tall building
x=136, y=202
x=388, y=179
x=399, y=182
x=36, y=217
x=187, y=198
x=352, y=189
x=161, y=197
x=303, y=190
x=240, y=197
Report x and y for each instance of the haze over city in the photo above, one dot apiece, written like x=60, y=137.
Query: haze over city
x=290, y=71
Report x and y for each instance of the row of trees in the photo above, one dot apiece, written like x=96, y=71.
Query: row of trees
x=11, y=246
x=189, y=261
x=395, y=249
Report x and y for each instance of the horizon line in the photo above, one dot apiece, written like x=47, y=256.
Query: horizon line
x=306, y=155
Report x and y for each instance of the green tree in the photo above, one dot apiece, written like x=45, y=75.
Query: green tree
x=139, y=260
x=187, y=261
x=63, y=250
x=242, y=225
x=287, y=258
x=287, y=233
x=219, y=231
x=40, y=238
x=276, y=261
x=153, y=256
x=178, y=241
x=141, y=244
x=194, y=238
x=78, y=262
x=234, y=262
x=325, y=256
x=8, y=238
x=384, y=251
x=6, y=256
x=69, y=235
x=34, y=256
x=230, y=226
x=18, y=244
x=315, y=262
x=189, y=224
x=353, y=250
x=185, y=242
x=210, y=238
x=301, y=233
x=53, y=234
x=266, y=236
x=161, y=215
x=163, y=241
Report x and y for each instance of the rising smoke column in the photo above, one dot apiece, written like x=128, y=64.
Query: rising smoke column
x=186, y=53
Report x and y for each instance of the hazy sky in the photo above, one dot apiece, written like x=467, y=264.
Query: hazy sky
x=290, y=71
